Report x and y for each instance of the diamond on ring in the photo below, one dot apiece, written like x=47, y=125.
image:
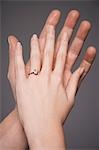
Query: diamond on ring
x=35, y=72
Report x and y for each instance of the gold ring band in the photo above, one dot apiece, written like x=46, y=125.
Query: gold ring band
x=35, y=72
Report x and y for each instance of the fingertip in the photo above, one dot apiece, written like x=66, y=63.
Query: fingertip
x=12, y=38
x=34, y=37
x=90, y=54
x=83, y=30
x=92, y=50
x=74, y=13
x=53, y=17
x=86, y=24
x=56, y=12
x=72, y=18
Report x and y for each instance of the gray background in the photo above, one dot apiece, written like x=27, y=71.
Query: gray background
x=25, y=18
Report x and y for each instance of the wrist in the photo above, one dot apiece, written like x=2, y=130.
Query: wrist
x=47, y=136
x=11, y=130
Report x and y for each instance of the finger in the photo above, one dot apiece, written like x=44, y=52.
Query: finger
x=69, y=24
x=73, y=84
x=52, y=19
x=35, y=56
x=19, y=63
x=88, y=61
x=12, y=40
x=61, y=56
x=49, y=50
x=77, y=44
x=28, y=67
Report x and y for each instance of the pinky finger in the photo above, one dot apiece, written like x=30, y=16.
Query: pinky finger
x=19, y=63
x=73, y=84
x=87, y=61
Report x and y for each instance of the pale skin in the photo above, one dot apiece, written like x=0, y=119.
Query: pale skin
x=72, y=54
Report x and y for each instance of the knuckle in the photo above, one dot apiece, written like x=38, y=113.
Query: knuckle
x=57, y=78
x=61, y=56
x=19, y=65
x=50, y=35
x=48, y=52
x=18, y=69
x=35, y=56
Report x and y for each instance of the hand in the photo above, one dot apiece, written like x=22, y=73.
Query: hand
x=74, y=48
x=11, y=130
x=46, y=94
x=20, y=141
x=68, y=26
x=53, y=19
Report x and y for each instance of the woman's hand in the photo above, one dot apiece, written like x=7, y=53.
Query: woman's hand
x=53, y=19
x=45, y=100
x=20, y=141
x=46, y=90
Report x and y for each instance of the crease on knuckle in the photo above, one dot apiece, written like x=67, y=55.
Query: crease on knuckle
x=61, y=56
x=35, y=56
x=48, y=52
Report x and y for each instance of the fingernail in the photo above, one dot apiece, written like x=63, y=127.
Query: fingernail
x=18, y=44
x=34, y=36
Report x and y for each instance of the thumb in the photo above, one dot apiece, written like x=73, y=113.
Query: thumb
x=73, y=83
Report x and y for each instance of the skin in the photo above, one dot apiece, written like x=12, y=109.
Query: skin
x=11, y=130
x=47, y=94
x=73, y=51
